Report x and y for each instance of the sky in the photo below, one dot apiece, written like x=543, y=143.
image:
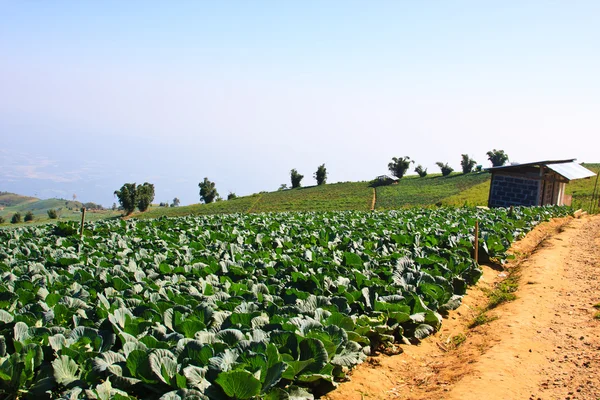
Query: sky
x=97, y=94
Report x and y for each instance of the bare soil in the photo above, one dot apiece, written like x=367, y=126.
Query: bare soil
x=543, y=345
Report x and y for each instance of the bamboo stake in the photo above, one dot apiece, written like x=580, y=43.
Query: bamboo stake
x=82, y=221
x=594, y=195
x=476, y=252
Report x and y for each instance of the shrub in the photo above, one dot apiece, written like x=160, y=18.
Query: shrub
x=231, y=196
x=28, y=216
x=16, y=218
x=175, y=202
x=52, y=213
x=422, y=172
x=446, y=169
x=2, y=220
x=467, y=163
x=127, y=196
x=497, y=157
x=208, y=191
x=321, y=175
x=144, y=196
x=296, y=178
x=399, y=166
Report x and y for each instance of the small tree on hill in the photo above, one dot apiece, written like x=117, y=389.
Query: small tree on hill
x=497, y=157
x=144, y=196
x=283, y=186
x=175, y=202
x=52, y=213
x=296, y=178
x=208, y=191
x=28, y=216
x=321, y=175
x=446, y=169
x=231, y=196
x=467, y=163
x=16, y=218
x=399, y=166
x=422, y=172
x=127, y=196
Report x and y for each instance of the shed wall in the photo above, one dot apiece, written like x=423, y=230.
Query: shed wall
x=506, y=191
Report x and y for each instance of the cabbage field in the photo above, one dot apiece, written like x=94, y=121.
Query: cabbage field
x=271, y=306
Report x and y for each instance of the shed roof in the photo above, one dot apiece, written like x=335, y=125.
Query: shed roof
x=568, y=169
x=571, y=170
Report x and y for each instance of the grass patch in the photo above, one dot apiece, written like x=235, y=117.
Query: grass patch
x=504, y=291
x=413, y=191
x=482, y=319
x=457, y=340
x=597, y=315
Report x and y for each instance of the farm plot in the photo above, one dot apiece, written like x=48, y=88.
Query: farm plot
x=271, y=306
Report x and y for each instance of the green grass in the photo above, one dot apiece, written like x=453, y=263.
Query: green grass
x=582, y=189
x=238, y=205
x=476, y=195
x=457, y=340
x=482, y=319
x=434, y=188
x=331, y=197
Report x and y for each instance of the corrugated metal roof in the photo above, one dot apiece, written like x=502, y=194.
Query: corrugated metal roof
x=571, y=170
x=530, y=164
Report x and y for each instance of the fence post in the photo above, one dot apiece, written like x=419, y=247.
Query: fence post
x=476, y=252
x=82, y=221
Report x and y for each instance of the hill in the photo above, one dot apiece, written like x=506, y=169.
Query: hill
x=409, y=191
x=11, y=203
x=11, y=199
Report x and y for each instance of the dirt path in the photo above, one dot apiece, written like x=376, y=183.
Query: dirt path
x=374, y=199
x=544, y=345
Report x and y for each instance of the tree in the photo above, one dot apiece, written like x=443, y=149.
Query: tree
x=446, y=169
x=127, y=196
x=208, y=192
x=231, y=196
x=497, y=157
x=399, y=166
x=144, y=196
x=321, y=175
x=114, y=206
x=283, y=186
x=28, y=216
x=296, y=178
x=175, y=202
x=422, y=172
x=52, y=213
x=16, y=218
x=467, y=163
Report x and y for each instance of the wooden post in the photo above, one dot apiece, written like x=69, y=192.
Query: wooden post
x=476, y=252
x=82, y=221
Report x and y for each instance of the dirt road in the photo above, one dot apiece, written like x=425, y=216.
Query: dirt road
x=543, y=345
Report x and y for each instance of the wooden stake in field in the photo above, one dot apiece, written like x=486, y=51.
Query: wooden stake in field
x=82, y=221
x=476, y=249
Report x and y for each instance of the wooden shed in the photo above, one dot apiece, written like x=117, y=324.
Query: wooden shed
x=534, y=184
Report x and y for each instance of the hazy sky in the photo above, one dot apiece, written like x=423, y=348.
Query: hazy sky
x=96, y=94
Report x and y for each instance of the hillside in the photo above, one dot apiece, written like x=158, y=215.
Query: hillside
x=11, y=203
x=11, y=199
x=409, y=191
